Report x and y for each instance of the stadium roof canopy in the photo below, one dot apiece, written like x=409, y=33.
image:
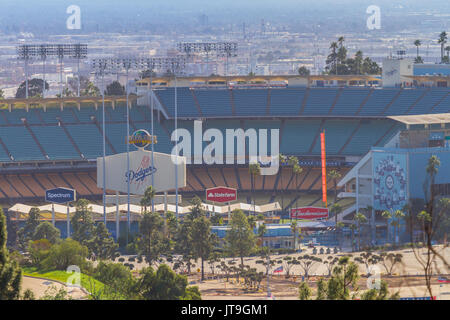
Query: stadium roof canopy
x=424, y=119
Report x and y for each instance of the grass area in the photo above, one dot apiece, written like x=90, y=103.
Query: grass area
x=87, y=282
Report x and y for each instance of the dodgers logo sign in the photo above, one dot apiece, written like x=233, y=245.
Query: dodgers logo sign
x=60, y=195
x=141, y=173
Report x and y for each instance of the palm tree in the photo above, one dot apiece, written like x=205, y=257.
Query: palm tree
x=282, y=160
x=447, y=48
x=262, y=229
x=293, y=161
x=297, y=172
x=387, y=215
x=254, y=170
x=146, y=200
x=398, y=214
x=442, y=41
x=334, y=175
x=417, y=43
x=335, y=209
x=296, y=231
x=333, y=55
x=360, y=218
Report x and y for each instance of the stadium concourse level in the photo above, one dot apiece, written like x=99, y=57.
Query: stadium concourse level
x=31, y=186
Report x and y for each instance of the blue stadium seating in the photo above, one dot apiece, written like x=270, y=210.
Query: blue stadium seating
x=368, y=135
x=298, y=135
x=20, y=143
x=350, y=101
x=214, y=103
x=378, y=101
x=83, y=133
x=433, y=97
x=52, y=113
x=250, y=102
x=186, y=103
x=319, y=101
x=55, y=143
x=286, y=101
x=337, y=132
x=405, y=100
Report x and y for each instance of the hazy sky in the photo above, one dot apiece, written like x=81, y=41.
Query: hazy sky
x=27, y=15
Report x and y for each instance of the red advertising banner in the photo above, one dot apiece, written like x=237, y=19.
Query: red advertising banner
x=221, y=194
x=309, y=213
x=324, y=168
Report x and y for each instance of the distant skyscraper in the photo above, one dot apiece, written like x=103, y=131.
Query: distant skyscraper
x=203, y=20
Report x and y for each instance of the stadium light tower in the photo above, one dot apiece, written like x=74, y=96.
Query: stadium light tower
x=78, y=51
x=102, y=67
x=26, y=53
x=177, y=65
x=221, y=49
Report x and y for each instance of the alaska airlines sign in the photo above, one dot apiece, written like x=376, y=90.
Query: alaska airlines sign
x=142, y=172
x=60, y=195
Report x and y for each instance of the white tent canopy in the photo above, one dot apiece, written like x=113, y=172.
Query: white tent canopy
x=136, y=209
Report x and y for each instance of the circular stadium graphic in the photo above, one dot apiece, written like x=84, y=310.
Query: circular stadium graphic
x=389, y=180
x=141, y=138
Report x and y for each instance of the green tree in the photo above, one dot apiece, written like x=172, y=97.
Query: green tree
x=296, y=231
x=396, y=220
x=25, y=234
x=262, y=229
x=307, y=262
x=334, y=175
x=304, y=291
x=115, y=89
x=360, y=218
x=240, y=238
x=303, y=71
x=344, y=276
x=321, y=289
x=35, y=88
x=102, y=245
x=82, y=223
x=67, y=252
x=335, y=210
x=90, y=91
x=10, y=272
x=164, y=284
x=152, y=243
x=254, y=170
x=442, y=40
x=386, y=214
x=45, y=230
x=118, y=279
x=202, y=240
x=379, y=294
x=282, y=160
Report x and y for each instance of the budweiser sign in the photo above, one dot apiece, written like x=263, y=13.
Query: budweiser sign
x=221, y=194
x=309, y=213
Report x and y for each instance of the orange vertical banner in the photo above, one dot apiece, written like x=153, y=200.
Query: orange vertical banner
x=324, y=168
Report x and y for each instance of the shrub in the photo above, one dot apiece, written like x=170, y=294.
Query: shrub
x=131, y=259
x=121, y=259
x=314, y=251
x=328, y=250
x=322, y=251
x=68, y=252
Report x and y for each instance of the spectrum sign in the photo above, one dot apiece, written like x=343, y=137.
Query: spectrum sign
x=221, y=194
x=309, y=213
x=60, y=195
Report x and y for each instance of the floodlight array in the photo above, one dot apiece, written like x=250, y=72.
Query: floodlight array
x=175, y=64
x=31, y=51
x=221, y=49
